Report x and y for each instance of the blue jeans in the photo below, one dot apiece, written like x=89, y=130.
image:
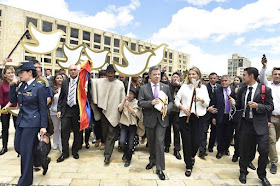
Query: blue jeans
x=127, y=138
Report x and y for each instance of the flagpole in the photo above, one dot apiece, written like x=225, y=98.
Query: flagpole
x=43, y=66
x=128, y=87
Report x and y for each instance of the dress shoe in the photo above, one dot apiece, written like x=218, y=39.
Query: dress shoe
x=234, y=158
x=242, y=178
x=160, y=174
x=76, y=156
x=177, y=154
x=150, y=165
x=127, y=163
x=87, y=145
x=265, y=181
x=219, y=155
x=227, y=153
x=202, y=154
x=166, y=149
x=46, y=166
x=273, y=169
x=107, y=160
x=61, y=158
x=3, y=151
x=210, y=150
x=251, y=166
x=36, y=169
x=188, y=172
x=97, y=142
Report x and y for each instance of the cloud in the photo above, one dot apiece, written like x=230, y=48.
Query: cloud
x=109, y=19
x=203, y=2
x=130, y=35
x=239, y=41
x=192, y=23
x=270, y=45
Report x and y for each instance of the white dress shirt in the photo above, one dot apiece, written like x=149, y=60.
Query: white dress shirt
x=252, y=97
x=184, y=97
x=275, y=91
x=75, y=92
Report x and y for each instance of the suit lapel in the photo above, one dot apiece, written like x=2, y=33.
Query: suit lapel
x=257, y=92
x=67, y=86
x=243, y=96
x=29, y=87
x=149, y=87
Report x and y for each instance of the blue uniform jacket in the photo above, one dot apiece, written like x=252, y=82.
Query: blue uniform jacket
x=33, y=104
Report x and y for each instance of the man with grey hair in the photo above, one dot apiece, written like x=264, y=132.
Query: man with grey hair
x=221, y=119
x=155, y=124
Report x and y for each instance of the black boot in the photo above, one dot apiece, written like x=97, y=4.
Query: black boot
x=128, y=158
x=3, y=151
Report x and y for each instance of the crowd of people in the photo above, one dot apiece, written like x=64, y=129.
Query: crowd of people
x=244, y=113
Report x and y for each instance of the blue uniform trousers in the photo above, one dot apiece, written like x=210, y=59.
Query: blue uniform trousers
x=25, y=141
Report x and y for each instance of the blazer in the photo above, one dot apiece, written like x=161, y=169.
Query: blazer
x=32, y=103
x=62, y=100
x=219, y=102
x=260, y=115
x=150, y=114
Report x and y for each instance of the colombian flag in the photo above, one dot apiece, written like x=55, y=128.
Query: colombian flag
x=84, y=107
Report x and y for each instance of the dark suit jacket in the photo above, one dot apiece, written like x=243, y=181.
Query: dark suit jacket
x=151, y=115
x=219, y=102
x=211, y=94
x=260, y=115
x=33, y=104
x=62, y=100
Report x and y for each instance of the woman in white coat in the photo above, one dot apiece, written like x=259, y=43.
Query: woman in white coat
x=192, y=99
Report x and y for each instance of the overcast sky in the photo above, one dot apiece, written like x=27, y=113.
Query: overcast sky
x=209, y=30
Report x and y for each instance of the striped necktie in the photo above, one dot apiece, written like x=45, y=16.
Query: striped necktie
x=71, y=95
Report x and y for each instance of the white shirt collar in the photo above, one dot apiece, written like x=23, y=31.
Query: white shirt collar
x=254, y=86
x=76, y=79
x=154, y=84
x=30, y=81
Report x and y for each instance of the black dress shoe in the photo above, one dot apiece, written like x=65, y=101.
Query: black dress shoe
x=219, y=155
x=166, y=149
x=76, y=156
x=61, y=158
x=202, y=154
x=251, y=166
x=107, y=160
x=36, y=169
x=3, y=151
x=188, y=172
x=177, y=154
x=127, y=163
x=242, y=178
x=150, y=165
x=234, y=158
x=227, y=153
x=124, y=157
x=87, y=145
x=265, y=182
x=160, y=174
x=193, y=162
x=46, y=166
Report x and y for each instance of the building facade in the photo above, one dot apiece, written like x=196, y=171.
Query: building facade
x=237, y=64
x=14, y=22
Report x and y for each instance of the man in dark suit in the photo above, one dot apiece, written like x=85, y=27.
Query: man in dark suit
x=224, y=128
x=155, y=126
x=254, y=124
x=206, y=120
x=68, y=111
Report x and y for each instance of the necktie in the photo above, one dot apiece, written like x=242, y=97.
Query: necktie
x=156, y=91
x=214, y=88
x=71, y=94
x=247, y=112
x=227, y=103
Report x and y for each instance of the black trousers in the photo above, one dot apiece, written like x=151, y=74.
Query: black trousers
x=98, y=131
x=173, y=121
x=70, y=121
x=249, y=138
x=190, y=138
x=205, y=122
x=224, y=134
x=127, y=139
x=5, y=119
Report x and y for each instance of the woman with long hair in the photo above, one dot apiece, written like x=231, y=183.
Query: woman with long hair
x=192, y=99
x=57, y=82
x=8, y=76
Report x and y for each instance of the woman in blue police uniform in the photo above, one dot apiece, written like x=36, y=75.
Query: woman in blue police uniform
x=32, y=118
